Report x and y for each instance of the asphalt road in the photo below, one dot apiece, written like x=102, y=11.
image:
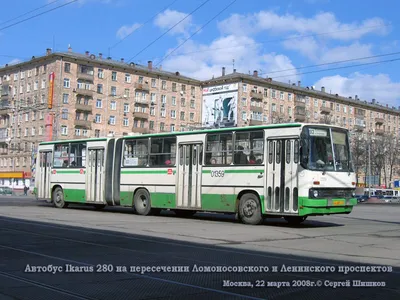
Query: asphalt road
x=108, y=249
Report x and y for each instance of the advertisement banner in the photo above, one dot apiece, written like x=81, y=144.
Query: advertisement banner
x=51, y=91
x=220, y=106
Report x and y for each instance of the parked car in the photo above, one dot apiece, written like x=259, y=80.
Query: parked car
x=5, y=190
x=362, y=198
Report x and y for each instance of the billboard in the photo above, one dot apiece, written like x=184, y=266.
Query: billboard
x=51, y=91
x=220, y=106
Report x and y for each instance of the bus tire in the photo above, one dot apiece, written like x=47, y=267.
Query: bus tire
x=295, y=220
x=250, y=209
x=142, y=202
x=58, y=198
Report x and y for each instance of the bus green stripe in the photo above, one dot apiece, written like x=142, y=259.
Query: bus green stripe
x=145, y=172
x=233, y=171
x=67, y=171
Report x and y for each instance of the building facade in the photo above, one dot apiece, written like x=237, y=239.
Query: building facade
x=67, y=95
x=71, y=96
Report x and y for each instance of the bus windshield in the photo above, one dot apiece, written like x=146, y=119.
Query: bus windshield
x=325, y=149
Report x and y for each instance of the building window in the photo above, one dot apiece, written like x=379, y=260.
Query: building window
x=97, y=118
x=173, y=100
x=111, y=121
x=100, y=73
x=182, y=116
x=244, y=88
x=64, y=114
x=152, y=111
x=128, y=78
x=191, y=116
x=126, y=107
x=113, y=105
x=153, y=83
x=64, y=130
x=114, y=76
x=164, y=85
x=126, y=93
x=289, y=97
x=273, y=94
x=100, y=89
x=173, y=114
x=126, y=122
x=99, y=103
x=43, y=83
x=67, y=67
x=113, y=91
x=192, y=104
x=282, y=96
x=65, y=98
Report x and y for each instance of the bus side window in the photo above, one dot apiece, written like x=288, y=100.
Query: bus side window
x=219, y=149
x=163, y=152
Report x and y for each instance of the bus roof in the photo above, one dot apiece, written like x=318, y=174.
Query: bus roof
x=199, y=131
x=271, y=126
x=73, y=141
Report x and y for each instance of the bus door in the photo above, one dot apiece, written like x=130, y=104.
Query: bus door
x=282, y=178
x=45, y=164
x=189, y=170
x=95, y=175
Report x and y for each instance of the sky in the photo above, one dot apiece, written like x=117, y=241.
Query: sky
x=280, y=39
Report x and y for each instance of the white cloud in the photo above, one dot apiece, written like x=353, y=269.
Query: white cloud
x=125, y=30
x=320, y=23
x=14, y=61
x=307, y=46
x=367, y=87
x=169, y=18
x=353, y=51
x=205, y=61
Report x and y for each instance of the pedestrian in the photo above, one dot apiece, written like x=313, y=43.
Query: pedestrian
x=25, y=190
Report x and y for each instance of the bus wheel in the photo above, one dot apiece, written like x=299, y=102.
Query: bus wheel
x=295, y=220
x=142, y=203
x=58, y=198
x=250, y=209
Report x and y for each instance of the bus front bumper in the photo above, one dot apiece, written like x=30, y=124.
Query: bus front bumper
x=310, y=207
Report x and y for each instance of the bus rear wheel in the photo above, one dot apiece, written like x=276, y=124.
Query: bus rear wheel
x=250, y=209
x=58, y=198
x=142, y=203
x=295, y=220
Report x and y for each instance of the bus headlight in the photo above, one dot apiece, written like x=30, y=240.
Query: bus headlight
x=315, y=193
x=353, y=194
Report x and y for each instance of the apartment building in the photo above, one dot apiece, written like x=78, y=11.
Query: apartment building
x=67, y=95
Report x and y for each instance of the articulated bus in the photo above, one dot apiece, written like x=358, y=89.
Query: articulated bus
x=288, y=171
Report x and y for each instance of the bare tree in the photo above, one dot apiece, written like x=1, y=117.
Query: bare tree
x=391, y=143
x=358, y=144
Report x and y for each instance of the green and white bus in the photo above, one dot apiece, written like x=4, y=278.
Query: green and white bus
x=288, y=171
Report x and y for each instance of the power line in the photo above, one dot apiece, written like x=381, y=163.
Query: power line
x=338, y=68
x=37, y=15
x=169, y=5
x=282, y=39
x=213, y=18
x=40, y=7
x=332, y=63
x=196, y=9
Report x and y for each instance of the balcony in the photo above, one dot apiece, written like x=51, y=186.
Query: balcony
x=83, y=123
x=359, y=127
x=258, y=109
x=4, y=96
x=140, y=115
x=84, y=92
x=325, y=110
x=379, y=121
x=299, y=117
x=142, y=86
x=298, y=103
x=255, y=122
x=255, y=95
x=141, y=101
x=140, y=130
x=85, y=76
x=379, y=131
x=83, y=107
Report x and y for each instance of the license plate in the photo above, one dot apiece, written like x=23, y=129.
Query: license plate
x=338, y=202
